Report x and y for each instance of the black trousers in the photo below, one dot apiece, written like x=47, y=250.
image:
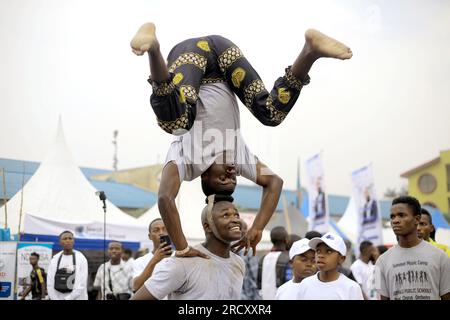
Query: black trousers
x=211, y=59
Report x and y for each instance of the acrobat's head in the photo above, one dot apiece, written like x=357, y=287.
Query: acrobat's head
x=220, y=178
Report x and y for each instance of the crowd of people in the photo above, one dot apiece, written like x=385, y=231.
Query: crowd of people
x=310, y=268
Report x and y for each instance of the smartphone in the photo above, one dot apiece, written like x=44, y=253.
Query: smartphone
x=165, y=238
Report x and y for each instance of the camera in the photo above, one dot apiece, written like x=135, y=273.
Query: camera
x=118, y=296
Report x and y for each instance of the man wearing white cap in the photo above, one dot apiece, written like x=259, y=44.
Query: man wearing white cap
x=302, y=259
x=329, y=283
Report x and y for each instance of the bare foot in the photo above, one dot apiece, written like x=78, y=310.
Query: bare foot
x=145, y=39
x=323, y=46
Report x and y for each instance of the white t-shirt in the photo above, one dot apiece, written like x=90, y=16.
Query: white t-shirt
x=343, y=288
x=269, y=275
x=129, y=263
x=362, y=271
x=418, y=273
x=140, y=263
x=217, y=116
x=288, y=291
x=79, y=291
x=197, y=278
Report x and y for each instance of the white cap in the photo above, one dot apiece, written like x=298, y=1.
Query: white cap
x=299, y=247
x=332, y=240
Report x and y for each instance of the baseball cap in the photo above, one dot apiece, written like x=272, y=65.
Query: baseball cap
x=299, y=247
x=332, y=240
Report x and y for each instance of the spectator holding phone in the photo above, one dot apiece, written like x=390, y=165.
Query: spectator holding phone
x=143, y=266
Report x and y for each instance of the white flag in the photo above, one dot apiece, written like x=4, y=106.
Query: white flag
x=369, y=215
x=318, y=204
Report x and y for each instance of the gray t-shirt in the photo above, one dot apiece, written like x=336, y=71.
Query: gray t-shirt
x=418, y=273
x=197, y=278
x=216, y=130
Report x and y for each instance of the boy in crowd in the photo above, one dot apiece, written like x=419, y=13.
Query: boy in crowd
x=38, y=277
x=303, y=264
x=274, y=268
x=364, y=266
x=427, y=232
x=413, y=269
x=329, y=283
x=116, y=282
x=68, y=272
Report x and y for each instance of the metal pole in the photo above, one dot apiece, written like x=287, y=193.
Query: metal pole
x=104, y=250
x=21, y=201
x=4, y=198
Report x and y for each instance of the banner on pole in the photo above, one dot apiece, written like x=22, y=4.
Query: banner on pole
x=8, y=250
x=369, y=217
x=318, y=204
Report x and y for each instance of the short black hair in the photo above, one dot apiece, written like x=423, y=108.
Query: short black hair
x=65, y=231
x=153, y=221
x=35, y=254
x=412, y=202
x=206, y=188
x=279, y=235
x=364, y=245
x=128, y=251
x=426, y=212
x=221, y=197
x=312, y=234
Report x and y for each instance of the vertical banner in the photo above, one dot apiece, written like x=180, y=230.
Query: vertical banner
x=369, y=216
x=8, y=250
x=24, y=249
x=318, y=206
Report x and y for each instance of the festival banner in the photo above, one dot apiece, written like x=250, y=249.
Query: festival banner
x=369, y=216
x=24, y=249
x=318, y=204
x=8, y=251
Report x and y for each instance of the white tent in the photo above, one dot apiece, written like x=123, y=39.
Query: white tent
x=190, y=203
x=58, y=197
x=349, y=221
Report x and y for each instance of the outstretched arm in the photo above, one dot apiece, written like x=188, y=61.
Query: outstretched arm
x=272, y=186
x=168, y=190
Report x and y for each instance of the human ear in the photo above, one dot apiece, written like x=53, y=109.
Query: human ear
x=206, y=227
